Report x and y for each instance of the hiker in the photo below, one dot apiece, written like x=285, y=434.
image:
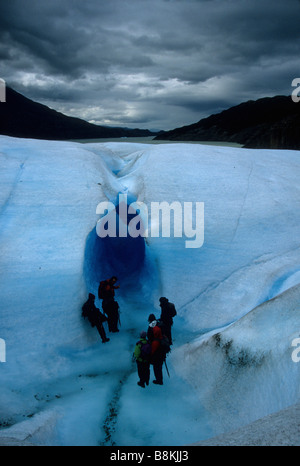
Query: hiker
x=158, y=355
x=152, y=323
x=111, y=310
x=95, y=317
x=110, y=307
x=107, y=289
x=168, y=311
x=142, y=354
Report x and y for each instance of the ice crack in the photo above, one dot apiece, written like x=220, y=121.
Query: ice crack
x=109, y=425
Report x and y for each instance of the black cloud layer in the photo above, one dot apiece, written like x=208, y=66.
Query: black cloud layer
x=159, y=63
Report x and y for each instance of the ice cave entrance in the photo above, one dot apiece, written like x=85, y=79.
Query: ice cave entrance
x=107, y=256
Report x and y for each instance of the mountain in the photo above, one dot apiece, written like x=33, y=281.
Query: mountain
x=22, y=117
x=268, y=123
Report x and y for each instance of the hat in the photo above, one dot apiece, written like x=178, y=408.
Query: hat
x=153, y=324
x=143, y=334
x=163, y=300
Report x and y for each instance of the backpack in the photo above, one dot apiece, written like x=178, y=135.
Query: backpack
x=172, y=310
x=102, y=290
x=165, y=345
x=102, y=318
x=88, y=313
x=145, y=350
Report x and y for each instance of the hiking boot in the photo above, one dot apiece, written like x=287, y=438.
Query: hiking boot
x=105, y=341
x=157, y=383
x=141, y=384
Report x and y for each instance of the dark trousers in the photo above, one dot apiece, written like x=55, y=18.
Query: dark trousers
x=111, y=309
x=158, y=371
x=113, y=321
x=101, y=331
x=143, y=372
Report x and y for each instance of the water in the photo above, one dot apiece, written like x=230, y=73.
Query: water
x=150, y=140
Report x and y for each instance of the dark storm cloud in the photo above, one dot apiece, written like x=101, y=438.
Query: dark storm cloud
x=158, y=63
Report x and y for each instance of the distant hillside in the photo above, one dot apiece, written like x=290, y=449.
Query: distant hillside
x=21, y=117
x=268, y=123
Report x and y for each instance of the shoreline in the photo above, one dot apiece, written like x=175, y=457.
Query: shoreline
x=150, y=140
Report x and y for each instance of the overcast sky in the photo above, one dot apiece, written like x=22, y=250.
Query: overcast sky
x=156, y=64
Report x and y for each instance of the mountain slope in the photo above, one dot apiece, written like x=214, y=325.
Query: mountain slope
x=269, y=123
x=21, y=117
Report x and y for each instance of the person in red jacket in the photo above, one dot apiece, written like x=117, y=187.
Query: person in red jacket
x=157, y=355
x=107, y=289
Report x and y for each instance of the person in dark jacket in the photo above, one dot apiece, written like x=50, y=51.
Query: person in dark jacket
x=142, y=354
x=95, y=317
x=168, y=311
x=157, y=355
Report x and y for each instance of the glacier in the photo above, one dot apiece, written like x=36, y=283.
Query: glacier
x=237, y=296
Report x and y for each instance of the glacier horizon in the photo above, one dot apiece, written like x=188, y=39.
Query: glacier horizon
x=155, y=225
